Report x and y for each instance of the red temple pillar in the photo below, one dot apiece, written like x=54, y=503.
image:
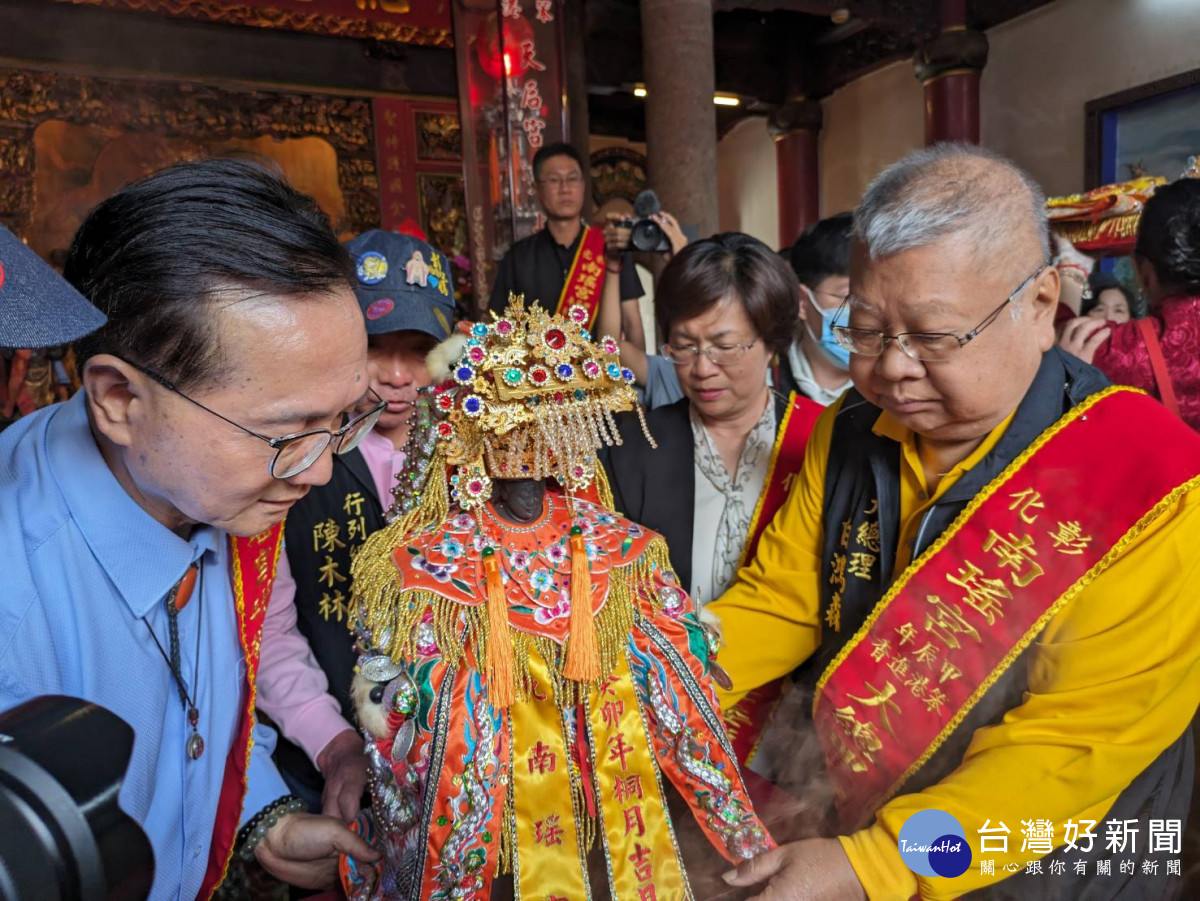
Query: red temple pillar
x=796, y=128
x=949, y=67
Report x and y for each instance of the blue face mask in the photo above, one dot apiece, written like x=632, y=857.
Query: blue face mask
x=827, y=344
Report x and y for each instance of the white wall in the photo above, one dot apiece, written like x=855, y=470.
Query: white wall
x=1043, y=67
x=868, y=124
x=749, y=198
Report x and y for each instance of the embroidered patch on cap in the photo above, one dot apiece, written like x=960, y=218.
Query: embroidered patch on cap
x=1, y=275
x=372, y=268
x=380, y=308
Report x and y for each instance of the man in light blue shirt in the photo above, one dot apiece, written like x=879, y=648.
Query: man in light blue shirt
x=234, y=356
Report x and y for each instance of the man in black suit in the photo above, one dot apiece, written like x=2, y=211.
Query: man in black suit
x=538, y=266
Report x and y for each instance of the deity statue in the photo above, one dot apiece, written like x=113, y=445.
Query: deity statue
x=534, y=684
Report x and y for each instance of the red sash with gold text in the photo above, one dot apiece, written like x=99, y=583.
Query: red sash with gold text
x=957, y=618
x=585, y=279
x=254, y=562
x=745, y=720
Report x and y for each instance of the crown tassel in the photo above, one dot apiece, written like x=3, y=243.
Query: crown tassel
x=583, y=647
x=500, y=653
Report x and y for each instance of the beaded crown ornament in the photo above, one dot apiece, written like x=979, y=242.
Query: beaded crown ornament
x=532, y=396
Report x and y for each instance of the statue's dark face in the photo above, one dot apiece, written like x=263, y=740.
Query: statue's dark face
x=519, y=500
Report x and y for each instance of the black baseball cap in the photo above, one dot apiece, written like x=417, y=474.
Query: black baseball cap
x=391, y=299
x=38, y=308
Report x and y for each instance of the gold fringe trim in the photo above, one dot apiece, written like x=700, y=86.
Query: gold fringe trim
x=587, y=825
x=376, y=580
x=603, y=488
x=1114, y=229
x=463, y=633
x=508, y=841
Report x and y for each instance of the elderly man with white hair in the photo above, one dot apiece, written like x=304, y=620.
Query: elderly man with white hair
x=988, y=559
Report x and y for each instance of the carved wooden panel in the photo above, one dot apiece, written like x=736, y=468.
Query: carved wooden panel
x=188, y=120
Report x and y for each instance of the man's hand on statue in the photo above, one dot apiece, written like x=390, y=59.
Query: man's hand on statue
x=344, y=766
x=616, y=236
x=815, y=869
x=670, y=226
x=1083, y=337
x=302, y=850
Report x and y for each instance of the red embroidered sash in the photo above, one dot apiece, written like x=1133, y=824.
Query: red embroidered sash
x=254, y=562
x=786, y=459
x=745, y=720
x=958, y=617
x=585, y=280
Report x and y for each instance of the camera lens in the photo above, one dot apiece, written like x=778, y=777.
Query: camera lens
x=63, y=836
x=646, y=235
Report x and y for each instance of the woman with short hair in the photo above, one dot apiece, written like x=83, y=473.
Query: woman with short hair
x=727, y=305
x=1111, y=301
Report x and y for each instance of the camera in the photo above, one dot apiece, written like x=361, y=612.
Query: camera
x=62, y=835
x=647, y=235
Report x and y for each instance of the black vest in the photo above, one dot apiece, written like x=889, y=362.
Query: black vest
x=862, y=494
x=321, y=533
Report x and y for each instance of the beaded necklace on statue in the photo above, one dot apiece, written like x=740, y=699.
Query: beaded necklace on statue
x=508, y=526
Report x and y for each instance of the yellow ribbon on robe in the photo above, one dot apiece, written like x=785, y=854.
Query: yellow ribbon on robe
x=636, y=827
x=550, y=854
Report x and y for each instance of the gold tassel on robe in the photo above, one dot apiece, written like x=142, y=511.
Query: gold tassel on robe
x=500, y=654
x=583, y=648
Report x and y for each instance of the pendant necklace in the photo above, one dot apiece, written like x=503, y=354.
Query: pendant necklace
x=177, y=598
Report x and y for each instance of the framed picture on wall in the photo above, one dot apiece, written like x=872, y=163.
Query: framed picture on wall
x=1148, y=130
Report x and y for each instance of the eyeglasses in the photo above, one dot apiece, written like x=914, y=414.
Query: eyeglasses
x=557, y=181
x=295, y=453
x=718, y=354
x=923, y=346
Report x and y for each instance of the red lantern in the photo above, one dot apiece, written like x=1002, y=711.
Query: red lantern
x=503, y=59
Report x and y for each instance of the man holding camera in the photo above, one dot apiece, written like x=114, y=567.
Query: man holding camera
x=566, y=263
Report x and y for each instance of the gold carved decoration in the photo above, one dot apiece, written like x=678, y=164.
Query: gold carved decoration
x=444, y=212
x=230, y=13
x=199, y=113
x=439, y=136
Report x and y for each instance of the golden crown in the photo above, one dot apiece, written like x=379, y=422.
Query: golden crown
x=532, y=396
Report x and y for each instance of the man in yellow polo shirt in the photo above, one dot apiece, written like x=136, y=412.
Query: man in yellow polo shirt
x=989, y=559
